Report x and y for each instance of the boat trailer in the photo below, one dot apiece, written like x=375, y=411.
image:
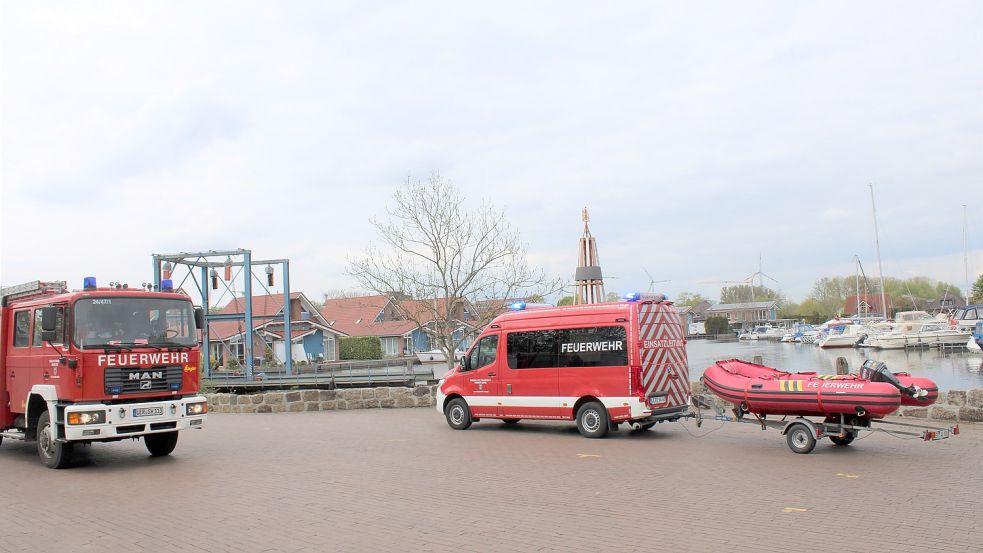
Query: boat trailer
x=803, y=433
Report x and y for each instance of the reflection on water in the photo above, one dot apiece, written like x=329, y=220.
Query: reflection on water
x=951, y=370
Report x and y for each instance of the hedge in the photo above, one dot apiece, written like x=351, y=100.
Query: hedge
x=717, y=325
x=360, y=348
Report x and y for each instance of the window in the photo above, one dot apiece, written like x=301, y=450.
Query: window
x=101, y=321
x=593, y=347
x=329, y=347
x=390, y=346
x=485, y=352
x=59, y=326
x=22, y=329
x=575, y=347
x=531, y=350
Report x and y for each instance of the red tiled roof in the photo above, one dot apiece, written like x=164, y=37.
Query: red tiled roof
x=872, y=300
x=270, y=304
x=357, y=317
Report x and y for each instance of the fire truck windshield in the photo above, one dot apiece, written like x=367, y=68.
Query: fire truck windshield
x=133, y=322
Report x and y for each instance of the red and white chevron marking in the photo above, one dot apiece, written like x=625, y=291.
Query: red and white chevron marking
x=663, y=352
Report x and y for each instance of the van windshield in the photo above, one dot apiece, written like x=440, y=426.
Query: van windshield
x=99, y=322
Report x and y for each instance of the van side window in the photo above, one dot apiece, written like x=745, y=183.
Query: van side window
x=605, y=346
x=485, y=352
x=532, y=350
x=59, y=326
x=22, y=329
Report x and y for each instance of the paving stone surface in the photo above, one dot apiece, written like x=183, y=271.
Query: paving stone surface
x=401, y=480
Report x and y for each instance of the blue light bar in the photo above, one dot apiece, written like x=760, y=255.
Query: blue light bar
x=167, y=285
x=633, y=296
x=89, y=283
x=518, y=306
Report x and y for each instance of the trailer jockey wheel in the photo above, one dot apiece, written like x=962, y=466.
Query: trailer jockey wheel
x=800, y=438
x=841, y=441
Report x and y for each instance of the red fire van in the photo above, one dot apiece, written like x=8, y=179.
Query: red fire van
x=601, y=365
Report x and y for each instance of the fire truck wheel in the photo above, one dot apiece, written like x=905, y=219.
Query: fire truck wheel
x=592, y=420
x=161, y=444
x=56, y=455
x=458, y=414
x=800, y=438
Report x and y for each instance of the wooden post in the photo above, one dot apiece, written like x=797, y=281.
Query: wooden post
x=842, y=367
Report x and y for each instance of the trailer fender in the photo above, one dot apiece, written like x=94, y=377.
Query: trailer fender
x=808, y=423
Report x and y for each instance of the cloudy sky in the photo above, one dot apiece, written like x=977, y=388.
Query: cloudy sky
x=699, y=137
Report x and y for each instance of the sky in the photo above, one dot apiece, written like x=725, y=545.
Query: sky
x=699, y=136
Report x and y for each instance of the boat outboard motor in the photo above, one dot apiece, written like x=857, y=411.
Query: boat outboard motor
x=875, y=371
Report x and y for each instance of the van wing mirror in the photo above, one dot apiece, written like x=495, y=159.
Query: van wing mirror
x=466, y=362
x=49, y=319
x=199, y=318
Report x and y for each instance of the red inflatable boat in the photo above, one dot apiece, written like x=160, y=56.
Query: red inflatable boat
x=873, y=393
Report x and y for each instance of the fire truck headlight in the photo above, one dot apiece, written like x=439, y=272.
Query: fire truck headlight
x=197, y=408
x=87, y=417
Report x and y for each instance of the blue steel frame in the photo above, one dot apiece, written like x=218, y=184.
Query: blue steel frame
x=203, y=261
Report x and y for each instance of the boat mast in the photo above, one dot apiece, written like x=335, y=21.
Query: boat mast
x=857, y=258
x=877, y=242
x=965, y=256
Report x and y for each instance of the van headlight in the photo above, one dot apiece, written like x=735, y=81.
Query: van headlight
x=199, y=408
x=87, y=417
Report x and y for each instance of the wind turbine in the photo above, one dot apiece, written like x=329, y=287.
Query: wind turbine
x=761, y=278
x=652, y=281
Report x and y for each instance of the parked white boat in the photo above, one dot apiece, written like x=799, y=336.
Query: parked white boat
x=917, y=329
x=764, y=332
x=843, y=335
x=972, y=346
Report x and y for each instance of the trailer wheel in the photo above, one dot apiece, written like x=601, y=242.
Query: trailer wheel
x=842, y=441
x=458, y=414
x=592, y=420
x=160, y=445
x=54, y=454
x=800, y=438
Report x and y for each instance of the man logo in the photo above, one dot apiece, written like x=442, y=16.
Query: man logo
x=145, y=384
x=153, y=375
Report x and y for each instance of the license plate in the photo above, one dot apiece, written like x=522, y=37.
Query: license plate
x=148, y=411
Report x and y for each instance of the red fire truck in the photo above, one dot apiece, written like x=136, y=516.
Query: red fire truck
x=601, y=365
x=98, y=365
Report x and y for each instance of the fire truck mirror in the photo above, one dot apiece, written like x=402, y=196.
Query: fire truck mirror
x=199, y=318
x=49, y=324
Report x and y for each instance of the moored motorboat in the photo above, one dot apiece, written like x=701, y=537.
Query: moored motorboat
x=874, y=393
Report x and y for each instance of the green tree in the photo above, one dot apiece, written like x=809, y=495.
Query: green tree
x=977, y=296
x=565, y=300
x=612, y=296
x=717, y=325
x=742, y=293
x=690, y=298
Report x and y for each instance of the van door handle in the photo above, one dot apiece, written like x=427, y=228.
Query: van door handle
x=508, y=388
x=491, y=374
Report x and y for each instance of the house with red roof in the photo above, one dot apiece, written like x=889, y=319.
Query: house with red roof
x=869, y=305
x=311, y=337
x=403, y=326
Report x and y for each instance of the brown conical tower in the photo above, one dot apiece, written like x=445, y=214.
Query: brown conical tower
x=590, y=282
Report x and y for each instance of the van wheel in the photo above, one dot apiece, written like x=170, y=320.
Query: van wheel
x=510, y=421
x=54, y=454
x=592, y=420
x=160, y=445
x=458, y=414
x=800, y=439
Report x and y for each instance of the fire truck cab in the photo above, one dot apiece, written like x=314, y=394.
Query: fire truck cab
x=601, y=365
x=98, y=365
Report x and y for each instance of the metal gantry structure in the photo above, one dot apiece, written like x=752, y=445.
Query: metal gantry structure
x=206, y=264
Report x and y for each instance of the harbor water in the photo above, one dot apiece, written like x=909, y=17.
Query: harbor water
x=956, y=369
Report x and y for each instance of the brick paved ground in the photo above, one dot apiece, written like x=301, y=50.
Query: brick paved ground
x=401, y=480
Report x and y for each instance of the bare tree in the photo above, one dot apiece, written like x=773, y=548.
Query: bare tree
x=441, y=257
